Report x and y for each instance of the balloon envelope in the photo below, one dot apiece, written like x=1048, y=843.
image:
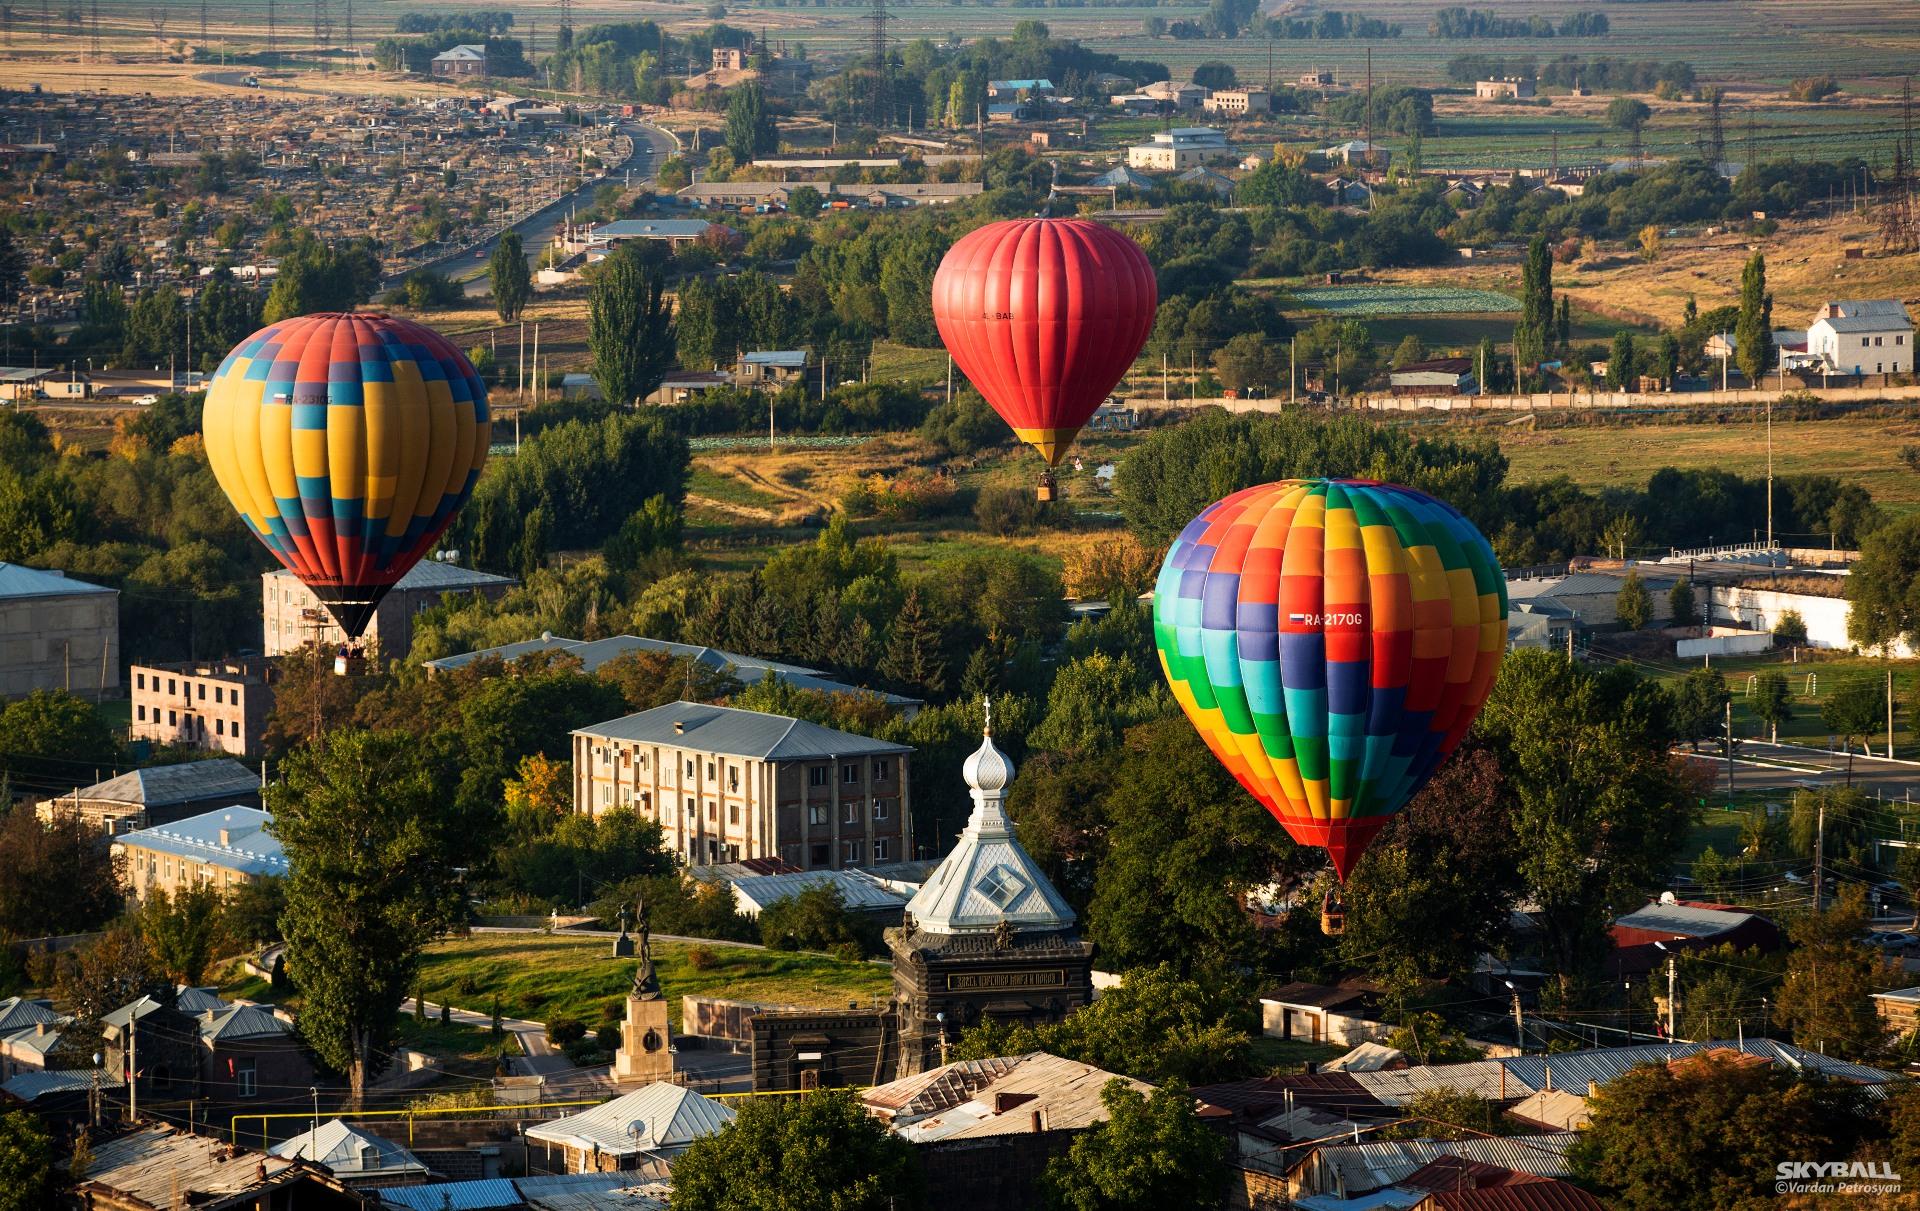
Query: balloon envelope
x=1332, y=641
x=347, y=442
x=1044, y=316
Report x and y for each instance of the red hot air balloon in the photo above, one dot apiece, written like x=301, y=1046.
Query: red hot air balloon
x=1044, y=316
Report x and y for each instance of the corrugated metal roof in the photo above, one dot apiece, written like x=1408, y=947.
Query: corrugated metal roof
x=488, y=1194
x=166, y=785
x=31, y=1085
x=721, y=729
x=792, y=359
x=1483, y=1079
x=641, y=1189
x=246, y=846
x=23, y=1013
x=655, y=1118
x=650, y=229
x=242, y=1022
x=349, y=1153
x=1367, y=1057
x=1357, y=1168
x=1523, y=1196
x=1554, y=1109
x=1576, y=1070
x=938, y=1088
x=1063, y=1093
x=858, y=890
x=18, y=581
x=1682, y=920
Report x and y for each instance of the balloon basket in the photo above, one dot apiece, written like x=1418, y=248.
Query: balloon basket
x=349, y=661
x=1048, y=491
x=1333, y=915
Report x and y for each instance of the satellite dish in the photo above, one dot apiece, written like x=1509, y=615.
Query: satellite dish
x=637, y=1129
x=1668, y=898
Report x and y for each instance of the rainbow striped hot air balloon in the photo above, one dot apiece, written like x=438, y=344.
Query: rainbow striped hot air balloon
x=1332, y=641
x=347, y=442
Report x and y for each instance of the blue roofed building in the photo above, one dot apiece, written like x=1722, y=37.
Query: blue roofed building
x=221, y=849
x=773, y=368
x=1003, y=89
x=57, y=633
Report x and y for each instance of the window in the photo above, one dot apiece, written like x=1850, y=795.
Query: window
x=218, y=692
x=643, y=761
x=733, y=777
x=203, y=691
x=849, y=773
x=244, y=1077
x=219, y=727
x=816, y=813
x=139, y=681
x=881, y=809
x=882, y=849
x=880, y=773
x=733, y=853
x=817, y=776
x=853, y=812
x=691, y=809
x=851, y=852
x=1876, y=342
x=646, y=799
x=172, y=718
x=689, y=767
x=713, y=810
x=709, y=771
x=170, y=688
x=733, y=813
x=817, y=854
x=1900, y=339
x=140, y=713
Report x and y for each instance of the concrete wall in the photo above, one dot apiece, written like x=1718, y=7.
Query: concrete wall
x=1316, y=1025
x=1760, y=610
x=1561, y=401
x=54, y=643
x=1723, y=645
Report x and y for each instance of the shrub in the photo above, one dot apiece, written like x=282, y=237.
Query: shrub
x=561, y=1030
x=701, y=958
x=1003, y=512
x=585, y=1053
x=1790, y=627
x=608, y=1038
x=1813, y=88
x=850, y=951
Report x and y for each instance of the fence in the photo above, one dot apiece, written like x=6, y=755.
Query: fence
x=1555, y=401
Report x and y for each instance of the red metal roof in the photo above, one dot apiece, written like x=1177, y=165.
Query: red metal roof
x=1549, y=1195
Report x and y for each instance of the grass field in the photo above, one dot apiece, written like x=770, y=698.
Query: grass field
x=1860, y=450
x=539, y=977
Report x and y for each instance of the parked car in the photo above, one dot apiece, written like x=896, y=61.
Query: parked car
x=1886, y=939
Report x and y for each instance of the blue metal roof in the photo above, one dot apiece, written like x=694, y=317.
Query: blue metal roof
x=794, y=358
x=486, y=1194
x=650, y=229
x=247, y=847
x=1026, y=85
x=18, y=580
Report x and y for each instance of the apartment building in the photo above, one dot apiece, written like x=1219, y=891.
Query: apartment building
x=292, y=616
x=221, y=849
x=216, y=704
x=728, y=785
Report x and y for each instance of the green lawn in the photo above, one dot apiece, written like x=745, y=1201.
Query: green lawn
x=707, y=482
x=1277, y=1057
x=461, y=1050
x=540, y=977
x=1812, y=682
x=908, y=364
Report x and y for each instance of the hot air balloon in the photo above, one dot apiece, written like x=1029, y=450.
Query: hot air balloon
x=1044, y=316
x=347, y=442
x=1331, y=640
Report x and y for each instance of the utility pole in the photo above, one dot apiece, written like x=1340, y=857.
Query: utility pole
x=1819, y=849
x=133, y=1067
x=1671, y=1003
x=1783, y=373
x=1519, y=1022
x=1163, y=379
x=1729, y=750
x=1293, y=373
x=1889, y=712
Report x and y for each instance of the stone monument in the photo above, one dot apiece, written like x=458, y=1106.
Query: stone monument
x=645, y=1054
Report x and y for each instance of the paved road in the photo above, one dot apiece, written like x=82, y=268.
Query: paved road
x=1761, y=766
x=651, y=145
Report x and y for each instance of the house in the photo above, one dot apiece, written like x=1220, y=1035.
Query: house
x=221, y=849
x=1465, y=193
x=230, y=1057
x=1000, y=90
x=655, y=1122
x=1350, y=193
x=679, y=386
x=354, y=1157
x=1239, y=102
x=731, y=58
x=1219, y=183
x=162, y=794
x=57, y=633
x=1121, y=177
x=770, y=368
x=1322, y=1013
x=1572, y=187
x=1681, y=926
x=1552, y=1110
x=860, y=891
x=215, y=704
x=1181, y=148
x=1136, y=104
x=294, y=616
x=1358, y=151
x=1862, y=336
x=467, y=59
x=983, y=1130
x=1010, y=111
x=727, y=784
x=748, y=670
x=152, y=1167
x=1315, y=79
x=1592, y=595
x=29, y=1030
x=603, y=238
x=913, y=193
x=1507, y=88
x=23, y=382
x=732, y=195
x=644, y=1188
x=1350, y=1171
x=1440, y=376
x=1175, y=94
x=1899, y=1010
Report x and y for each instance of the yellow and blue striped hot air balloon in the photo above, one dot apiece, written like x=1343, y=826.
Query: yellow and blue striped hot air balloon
x=347, y=442
x=1332, y=641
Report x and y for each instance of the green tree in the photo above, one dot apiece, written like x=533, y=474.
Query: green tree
x=914, y=659
x=1531, y=336
x=372, y=844
x=1598, y=804
x=512, y=280
x=1633, y=605
x=750, y=129
x=1093, y=700
x=1762, y=837
x=1152, y=1152
x=799, y=1154
x=1249, y=360
x=114, y=970
x=253, y=910
x=1623, y=370
x=316, y=276
x=1156, y=1026
x=1772, y=701
x=1883, y=586
x=1427, y=1038
x=1706, y=1133
x=1451, y=1114
x=27, y=1178
x=1753, y=333
x=1681, y=605
x=629, y=327
x=805, y=200
x=182, y=929
x=1855, y=710
x=1627, y=113
x=817, y=918
x=54, y=723
x=1839, y=815
x=1826, y=999
x=1699, y=705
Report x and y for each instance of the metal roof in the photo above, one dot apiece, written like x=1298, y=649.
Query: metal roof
x=247, y=846
x=23, y=374
x=939, y=1088
x=166, y=785
x=349, y=1153
x=1043, y=82
x=1555, y=1109
x=1520, y=1196
x=465, y=51
x=1862, y=308
x=724, y=729
x=1576, y=1070
x=1867, y=323
x=432, y=574
x=155, y=1165
x=241, y=1022
x=1063, y=1094
x=655, y=1118
x=1483, y=1079
x=1357, y=1168
x=18, y=580
x=29, y=1086
x=594, y=653
x=650, y=229
x=1367, y=1057
x=22, y=1013
x=642, y=1189
x=858, y=890
x=1682, y=920
x=790, y=358
x=486, y=1194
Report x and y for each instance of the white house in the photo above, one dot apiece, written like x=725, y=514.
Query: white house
x=1180, y=96
x=1862, y=336
x=1181, y=148
x=1358, y=151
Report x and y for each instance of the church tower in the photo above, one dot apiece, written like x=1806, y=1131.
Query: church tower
x=987, y=936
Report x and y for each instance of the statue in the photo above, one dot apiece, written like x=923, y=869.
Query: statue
x=646, y=981
x=623, y=945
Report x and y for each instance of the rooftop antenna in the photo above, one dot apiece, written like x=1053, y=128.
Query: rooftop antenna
x=1369, y=157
